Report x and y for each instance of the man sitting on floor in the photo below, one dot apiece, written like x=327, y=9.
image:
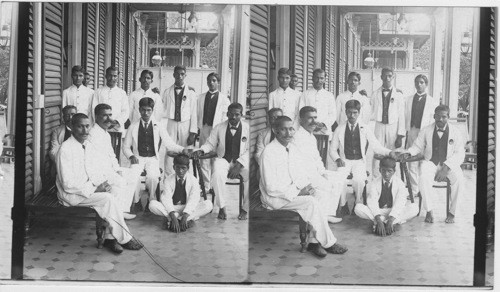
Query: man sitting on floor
x=331, y=182
x=386, y=200
x=74, y=161
x=180, y=201
x=142, y=143
x=284, y=186
x=124, y=182
x=266, y=136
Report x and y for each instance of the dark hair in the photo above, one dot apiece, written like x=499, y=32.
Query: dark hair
x=147, y=101
x=100, y=107
x=387, y=69
x=110, y=69
x=284, y=71
x=388, y=162
x=235, y=105
x=306, y=109
x=273, y=110
x=293, y=75
x=442, y=107
x=353, y=73
x=181, y=159
x=77, y=69
x=353, y=104
x=423, y=77
x=86, y=73
x=68, y=107
x=317, y=71
x=280, y=120
x=179, y=67
x=144, y=72
x=77, y=117
x=214, y=74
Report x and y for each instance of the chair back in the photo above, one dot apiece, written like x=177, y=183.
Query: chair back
x=116, y=143
x=322, y=141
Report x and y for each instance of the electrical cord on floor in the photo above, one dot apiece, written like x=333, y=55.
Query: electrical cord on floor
x=148, y=253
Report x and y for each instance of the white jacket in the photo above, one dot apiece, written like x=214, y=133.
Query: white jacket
x=220, y=111
x=428, y=114
x=188, y=106
x=192, y=193
x=396, y=109
x=399, y=196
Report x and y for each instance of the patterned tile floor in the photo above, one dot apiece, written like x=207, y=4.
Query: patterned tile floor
x=212, y=251
x=419, y=254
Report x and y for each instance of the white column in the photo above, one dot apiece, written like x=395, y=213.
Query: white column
x=473, y=108
x=305, y=77
x=75, y=39
x=318, y=38
x=38, y=101
x=436, y=75
x=454, y=62
x=224, y=49
x=282, y=37
x=409, y=55
x=197, y=45
x=241, y=55
x=12, y=96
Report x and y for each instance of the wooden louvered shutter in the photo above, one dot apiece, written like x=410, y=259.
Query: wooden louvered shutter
x=492, y=119
x=131, y=53
x=89, y=40
x=101, y=70
x=29, y=178
x=258, y=87
x=350, y=49
x=328, y=58
x=297, y=49
x=311, y=42
x=118, y=59
x=342, y=49
x=52, y=77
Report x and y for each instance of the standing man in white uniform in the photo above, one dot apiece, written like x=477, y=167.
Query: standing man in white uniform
x=285, y=98
x=353, y=82
x=180, y=109
x=145, y=91
x=78, y=94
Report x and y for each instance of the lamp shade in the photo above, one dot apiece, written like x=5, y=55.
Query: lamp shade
x=369, y=61
x=156, y=59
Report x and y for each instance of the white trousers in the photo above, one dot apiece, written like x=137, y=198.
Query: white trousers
x=107, y=208
x=206, y=164
x=152, y=168
x=202, y=209
x=329, y=192
x=219, y=179
x=124, y=188
x=427, y=172
x=179, y=132
x=386, y=134
x=410, y=211
x=413, y=167
x=358, y=170
x=310, y=211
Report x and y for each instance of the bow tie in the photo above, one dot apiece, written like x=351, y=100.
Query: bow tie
x=385, y=90
x=440, y=130
x=178, y=87
x=233, y=128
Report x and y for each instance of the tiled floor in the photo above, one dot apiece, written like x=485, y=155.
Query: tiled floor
x=212, y=251
x=418, y=254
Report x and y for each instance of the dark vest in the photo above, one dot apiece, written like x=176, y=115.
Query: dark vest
x=178, y=103
x=385, y=107
x=179, y=197
x=209, y=108
x=352, y=143
x=232, y=143
x=385, y=196
x=439, y=146
x=417, y=111
x=67, y=134
x=146, y=141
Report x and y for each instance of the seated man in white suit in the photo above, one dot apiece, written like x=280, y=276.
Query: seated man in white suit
x=124, y=183
x=284, y=186
x=180, y=201
x=443, y=149
x=386, y=200
x=348, y=147
x=266, y=136
x=142, y=143
x=75, y=161
x=419, y=113
x=330, y=184
x=231, y=140
x=61, y=133
x=212, y=110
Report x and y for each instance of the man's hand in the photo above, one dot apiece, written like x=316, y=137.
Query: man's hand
x=187, y=152
x=320, y=126
x=103, y=188
x=380, y=229
x=196, y=154
x=184, y=224
x=191, y=139
x=340, y=162
x=442, y=173
x=307, y=191
x=404, y=156
x=133, y=159
x=234, y=171
x=390, y=225
x=174, y=225
x=399, y=142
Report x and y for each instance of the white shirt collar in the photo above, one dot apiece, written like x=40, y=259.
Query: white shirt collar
x=234, y=126
x=183, y=179
x=349, y=124
x=444, y=128
x=390, y=181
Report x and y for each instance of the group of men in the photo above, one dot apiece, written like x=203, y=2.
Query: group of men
x=360, y=131
x=160, y=135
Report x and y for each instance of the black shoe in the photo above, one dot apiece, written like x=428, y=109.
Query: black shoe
x=336, y=249
x=317, y=250
x=132, y=245
x=113, y=245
